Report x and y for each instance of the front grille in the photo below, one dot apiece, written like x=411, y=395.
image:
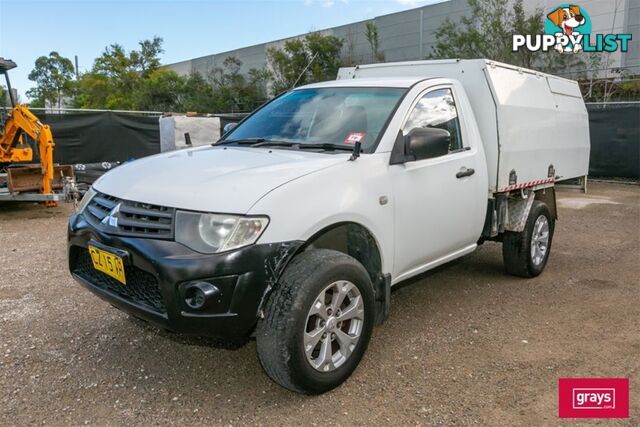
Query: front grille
x=141, y=288
x=126, y=218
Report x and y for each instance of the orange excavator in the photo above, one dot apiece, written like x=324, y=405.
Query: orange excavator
x=28, y=182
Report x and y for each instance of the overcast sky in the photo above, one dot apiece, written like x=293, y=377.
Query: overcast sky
x=191, y=28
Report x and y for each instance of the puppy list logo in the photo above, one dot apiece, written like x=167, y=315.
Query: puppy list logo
x=568, y=30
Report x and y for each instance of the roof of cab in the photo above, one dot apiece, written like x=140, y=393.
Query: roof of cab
x=404, y=82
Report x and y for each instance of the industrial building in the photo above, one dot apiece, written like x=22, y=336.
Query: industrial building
x=410, y=35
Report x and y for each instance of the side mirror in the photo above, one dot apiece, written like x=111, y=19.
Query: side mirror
x=228, y=127
x=426, y=143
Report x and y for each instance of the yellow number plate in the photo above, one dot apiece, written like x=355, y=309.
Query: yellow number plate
x=108, y=263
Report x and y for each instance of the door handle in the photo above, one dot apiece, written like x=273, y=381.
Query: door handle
x=465, y=172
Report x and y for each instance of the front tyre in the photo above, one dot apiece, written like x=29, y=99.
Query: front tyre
x=318, y=322
x=525, y=254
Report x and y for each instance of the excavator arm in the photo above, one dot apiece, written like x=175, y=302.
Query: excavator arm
x=12, y=149
x=19, y=122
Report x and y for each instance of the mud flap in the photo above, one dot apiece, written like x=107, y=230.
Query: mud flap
x=383, y=298
x=518, y=212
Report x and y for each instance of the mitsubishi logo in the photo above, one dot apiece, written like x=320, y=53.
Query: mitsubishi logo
x=112, y=218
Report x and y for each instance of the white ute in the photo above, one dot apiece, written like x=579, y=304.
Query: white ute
x=295, y=225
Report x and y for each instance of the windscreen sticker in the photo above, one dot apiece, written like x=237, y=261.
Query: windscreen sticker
x=354, y=137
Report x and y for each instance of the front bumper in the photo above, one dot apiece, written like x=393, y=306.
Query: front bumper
x=157, y=272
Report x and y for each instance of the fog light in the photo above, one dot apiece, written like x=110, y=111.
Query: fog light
x=197, y=295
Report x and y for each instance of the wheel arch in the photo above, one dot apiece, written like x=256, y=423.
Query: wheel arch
x=357, y=241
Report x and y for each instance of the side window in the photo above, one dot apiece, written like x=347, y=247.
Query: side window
x=437, y=109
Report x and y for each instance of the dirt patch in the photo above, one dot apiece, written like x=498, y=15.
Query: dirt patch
x=465, y=344
x=583, y=202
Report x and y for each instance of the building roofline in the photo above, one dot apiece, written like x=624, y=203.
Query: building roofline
x=304, y=34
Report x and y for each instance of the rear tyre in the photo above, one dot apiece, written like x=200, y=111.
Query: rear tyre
x=318, y=322
x=525, y=254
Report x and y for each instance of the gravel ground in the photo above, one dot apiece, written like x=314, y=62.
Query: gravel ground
x=465, y=344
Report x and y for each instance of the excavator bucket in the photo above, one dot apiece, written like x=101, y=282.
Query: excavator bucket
x=29, y=177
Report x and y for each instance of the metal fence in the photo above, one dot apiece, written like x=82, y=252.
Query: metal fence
x=52, y=110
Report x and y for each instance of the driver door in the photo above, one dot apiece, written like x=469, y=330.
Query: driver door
x=434, y=197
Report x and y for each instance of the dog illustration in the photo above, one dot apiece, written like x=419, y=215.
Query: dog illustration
x=568, y=19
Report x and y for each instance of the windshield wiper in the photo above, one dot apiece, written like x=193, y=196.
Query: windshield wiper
x=327, y=146
x=270, y=143
x=262, y=142
x=243, y=141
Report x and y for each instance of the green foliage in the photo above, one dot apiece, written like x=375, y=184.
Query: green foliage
x=53, y=75
x=3, y=96
x=289, y=65
x=148, y=57
x=94, y=91
x=134, y=80
x=371, y=34
x=487, y=33
x=614, y=85
x=484, y=34
x=301, y=61
x=259, y=80
x=116, y=62
x=234, y=91
x=118, y=80
x=326, y=50
x=37, y=103
x=627, y=89
x=523, y=24
x=630, y=89
x=198, y=94
x=161, y=90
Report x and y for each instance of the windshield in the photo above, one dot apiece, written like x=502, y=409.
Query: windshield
x=322, y=116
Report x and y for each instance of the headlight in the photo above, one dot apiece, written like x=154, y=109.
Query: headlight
x=86, y=199
x=211, y=233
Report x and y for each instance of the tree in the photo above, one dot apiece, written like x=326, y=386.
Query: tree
x=234, y=91
x=134, y=80
x=117, y=76
x=94, y=91
x=258, y=82
x=198, y=94
x=148, y=57
x=629, y=88
x=115, y=61
x=371, y=33
x=489, y=33
x=523, y=24
x=301, y=61
x=326, y=51
x=288, y=65
x=227, y=83
x=53, y=75
x=162, y=90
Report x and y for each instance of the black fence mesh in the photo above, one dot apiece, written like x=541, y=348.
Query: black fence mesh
x=615, y=140
x=111, y=137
